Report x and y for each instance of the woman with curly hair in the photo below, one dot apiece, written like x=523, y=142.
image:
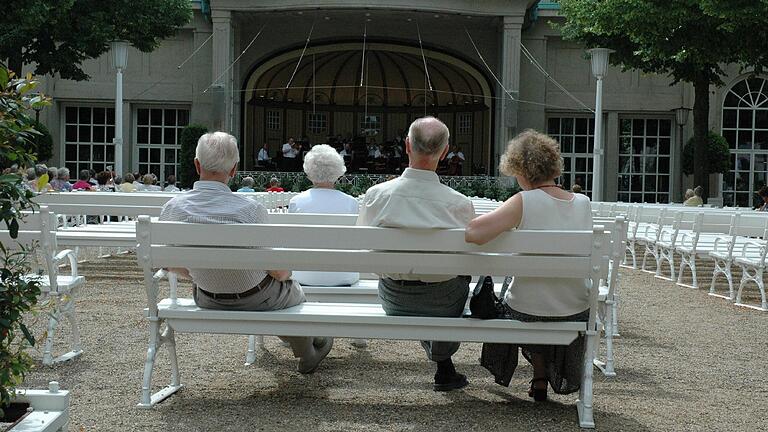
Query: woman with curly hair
x=534, y=160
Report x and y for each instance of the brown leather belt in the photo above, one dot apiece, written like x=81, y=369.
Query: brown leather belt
x=234, y=296
x=405, y=282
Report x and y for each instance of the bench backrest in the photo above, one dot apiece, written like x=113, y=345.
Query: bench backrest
x=36, y=229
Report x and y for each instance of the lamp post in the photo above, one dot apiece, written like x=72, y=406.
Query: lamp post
x=681, y=118
x=120, y=60
x=599, y=69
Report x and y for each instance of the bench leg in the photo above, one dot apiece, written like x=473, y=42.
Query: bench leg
x=156, y=340
x=52, y=322
x=722, y=267
x=584, y=404
x=615, y=314
x=254, y=341
x=758, y=279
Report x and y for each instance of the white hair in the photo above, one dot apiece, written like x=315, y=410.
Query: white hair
x=323, y=164
x=217, y=152
x=428, y=136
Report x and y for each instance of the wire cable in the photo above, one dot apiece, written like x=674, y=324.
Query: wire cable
x=236, y=60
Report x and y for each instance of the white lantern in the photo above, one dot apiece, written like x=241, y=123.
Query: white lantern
x=599, y=61
x=681, y=115
x=119, y=54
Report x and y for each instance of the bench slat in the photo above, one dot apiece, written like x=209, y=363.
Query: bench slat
x=345, y=237
x=371, y=261
x=362, y=321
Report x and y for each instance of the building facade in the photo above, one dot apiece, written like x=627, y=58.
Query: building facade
x=269, y=70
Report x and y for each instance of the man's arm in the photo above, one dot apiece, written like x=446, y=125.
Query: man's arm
x=181, y=272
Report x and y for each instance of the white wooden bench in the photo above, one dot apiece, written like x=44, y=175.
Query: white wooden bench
x=36, y=229
x=365, y=249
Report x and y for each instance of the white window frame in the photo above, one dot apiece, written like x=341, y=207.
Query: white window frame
x=464, y=122
x=317, y=122
x=62, y=160
x=137, y=164
x=749, y=155
x=273, y=119
x=646, y=193
x=569, y=151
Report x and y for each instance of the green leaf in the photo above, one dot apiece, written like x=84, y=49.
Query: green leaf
x=13, y=227
x=27, y=335
x=3, y=77
x=42, y=181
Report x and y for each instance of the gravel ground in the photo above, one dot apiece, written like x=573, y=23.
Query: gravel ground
x=685, y=361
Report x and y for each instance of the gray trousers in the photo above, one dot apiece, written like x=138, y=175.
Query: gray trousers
x=441, y=299
x=277, y=295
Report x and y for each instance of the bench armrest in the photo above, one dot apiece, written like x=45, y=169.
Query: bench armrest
x=684, y=238
x=724, y=241
x=67, y=253
x=761, y=247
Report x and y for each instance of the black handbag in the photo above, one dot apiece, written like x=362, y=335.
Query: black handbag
x=484, y=300
x=484, y=304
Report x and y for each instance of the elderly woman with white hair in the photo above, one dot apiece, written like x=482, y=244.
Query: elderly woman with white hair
x=324, y=166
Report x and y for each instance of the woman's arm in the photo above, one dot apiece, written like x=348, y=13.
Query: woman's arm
x=487, y=227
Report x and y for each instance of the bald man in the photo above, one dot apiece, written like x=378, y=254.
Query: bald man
x=417, y=199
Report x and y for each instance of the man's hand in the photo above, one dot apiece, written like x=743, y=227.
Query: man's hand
x=181, y=272
x=280, y=275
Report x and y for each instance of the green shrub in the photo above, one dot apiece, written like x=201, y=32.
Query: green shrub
x=719, y=155
x=18, y=295
x=186, y=169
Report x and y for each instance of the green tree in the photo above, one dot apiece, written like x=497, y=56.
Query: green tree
x=719, y=155
x=58, y=35
x=690, y=40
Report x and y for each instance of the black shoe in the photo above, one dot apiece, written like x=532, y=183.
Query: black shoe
x=539, y=395
x=451, y=382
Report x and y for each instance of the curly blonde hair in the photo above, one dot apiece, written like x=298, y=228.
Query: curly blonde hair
x=532, y=155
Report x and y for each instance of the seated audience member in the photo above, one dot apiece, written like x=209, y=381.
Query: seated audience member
x=246, y=185
x=534, y=160
x=104, y=179
x=211, y=201
x=274, y=185
x=171, y=186
x=30, y=177
x=323, y=167
x=82, y=183
x=417, y=199
x=455, y=160
x=137, y=182
x=763, y=194
x=53, y=173
x=128, y=184
x=149, y=183
x=61, y=183
x=576, y=188
x=92, y=178
x=695, y=199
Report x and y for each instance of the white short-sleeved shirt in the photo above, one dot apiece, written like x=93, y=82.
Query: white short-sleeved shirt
x=326, y=201
x=551, y=296
x=289, y=151
x=416, y=199
x=212, y=202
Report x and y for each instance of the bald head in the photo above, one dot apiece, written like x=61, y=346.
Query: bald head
x=428, y=136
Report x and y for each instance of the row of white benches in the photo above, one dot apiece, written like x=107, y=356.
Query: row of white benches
x=375, y=265
x=727, y=237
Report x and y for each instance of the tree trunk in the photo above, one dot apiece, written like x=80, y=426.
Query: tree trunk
x=700, y=132
x=16, y=63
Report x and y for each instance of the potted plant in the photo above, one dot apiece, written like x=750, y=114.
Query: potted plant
x=19, y=294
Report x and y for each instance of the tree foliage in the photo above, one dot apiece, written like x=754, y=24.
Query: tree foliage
x=691, y=40
x=18, y=294
x=58, y=35
x=719, y=160
x=189, y=136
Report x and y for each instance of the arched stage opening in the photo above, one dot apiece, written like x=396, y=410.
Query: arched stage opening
x=338, y=92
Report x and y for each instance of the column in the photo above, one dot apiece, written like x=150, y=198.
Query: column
x=509, y=74
x=611, y=157
x=201, y=75
x=221, y=89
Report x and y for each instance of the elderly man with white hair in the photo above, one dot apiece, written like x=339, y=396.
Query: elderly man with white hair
x=417, y=199
x=211, y=201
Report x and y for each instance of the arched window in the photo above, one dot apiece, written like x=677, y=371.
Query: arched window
x=745, y=127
